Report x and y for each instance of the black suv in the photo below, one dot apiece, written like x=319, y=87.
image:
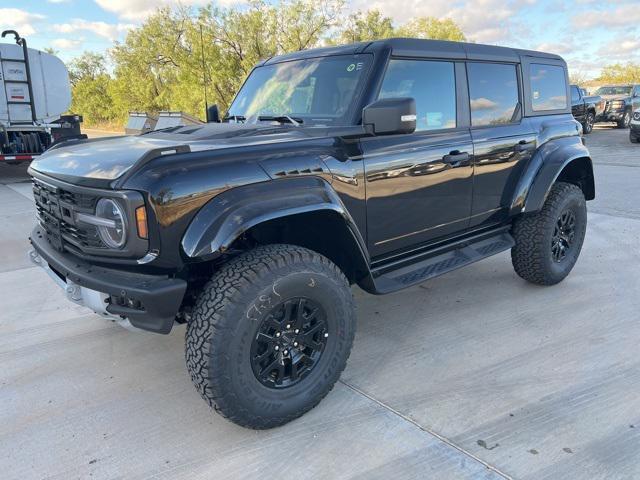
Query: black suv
x=381, y=164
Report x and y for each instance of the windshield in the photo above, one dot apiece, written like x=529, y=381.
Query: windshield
x=318, y=91
x=614, y=91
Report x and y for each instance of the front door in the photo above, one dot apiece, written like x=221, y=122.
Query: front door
x=419, y=186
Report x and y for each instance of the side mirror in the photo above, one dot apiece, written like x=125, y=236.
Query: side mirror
x=390, y=115
x=213, y=115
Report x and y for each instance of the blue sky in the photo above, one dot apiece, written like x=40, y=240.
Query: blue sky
x=587, y=33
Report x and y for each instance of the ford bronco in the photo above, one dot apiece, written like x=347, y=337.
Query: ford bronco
x=379, y=164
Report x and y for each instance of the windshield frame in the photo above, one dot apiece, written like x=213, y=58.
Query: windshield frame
x=626, y=87
x=351, y=113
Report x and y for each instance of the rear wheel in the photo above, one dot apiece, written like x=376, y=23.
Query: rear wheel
x=548, y=242
x=633, y=138
x=270, y=335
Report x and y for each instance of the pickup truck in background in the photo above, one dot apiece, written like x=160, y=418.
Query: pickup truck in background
x=586, y=109
x=620, y=102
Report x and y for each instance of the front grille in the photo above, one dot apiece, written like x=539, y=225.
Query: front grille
x=57, y=208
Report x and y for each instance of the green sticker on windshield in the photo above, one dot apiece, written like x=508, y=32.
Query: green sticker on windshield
x=351, y=67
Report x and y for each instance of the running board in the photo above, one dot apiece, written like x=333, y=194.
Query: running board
x=441, y=263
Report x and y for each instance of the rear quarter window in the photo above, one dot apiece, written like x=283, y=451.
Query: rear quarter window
x=548, y=87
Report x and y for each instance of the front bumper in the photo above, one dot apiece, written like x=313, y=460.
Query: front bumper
x=611, y=116
x=149, y=302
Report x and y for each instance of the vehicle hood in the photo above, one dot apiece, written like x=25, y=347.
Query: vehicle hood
x=614, y=97
x=107, y=159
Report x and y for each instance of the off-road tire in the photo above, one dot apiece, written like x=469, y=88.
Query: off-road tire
x=226, y=319
x=587, y=126
x=532, y=256
x=626, y=119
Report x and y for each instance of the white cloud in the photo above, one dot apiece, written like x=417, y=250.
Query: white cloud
x=484, y=21
x=58, y=1
x=66, y=43
x=482, y=104
x=140, y=9
x=624, y=16
x=20, y=20
x=557, y=48
x=109, y=31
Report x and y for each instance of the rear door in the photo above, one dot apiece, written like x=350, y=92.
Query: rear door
x=578, y=108
x=503, y=140
x=419, y=185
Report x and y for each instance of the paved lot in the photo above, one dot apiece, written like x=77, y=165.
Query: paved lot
x=474, y=375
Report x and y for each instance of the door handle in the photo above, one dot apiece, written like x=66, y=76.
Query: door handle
x=524, y=146
x=456, y=157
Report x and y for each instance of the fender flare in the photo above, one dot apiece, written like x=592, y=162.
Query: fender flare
x=227, y=216
x=543, y=170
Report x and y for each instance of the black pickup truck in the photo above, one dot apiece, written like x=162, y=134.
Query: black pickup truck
x=620, y=103
x=584, y=108
x=381, y=164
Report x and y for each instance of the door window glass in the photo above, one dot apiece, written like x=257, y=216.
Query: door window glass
x=431, y=84
x=548, y=87
x=575, y=94
x=493, y=91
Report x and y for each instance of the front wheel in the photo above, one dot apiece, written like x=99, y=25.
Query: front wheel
x=548, y=242
x=587, y=126
x=625, y=120
x=270, y=335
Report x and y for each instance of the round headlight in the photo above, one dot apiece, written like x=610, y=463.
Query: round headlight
x=114, y=234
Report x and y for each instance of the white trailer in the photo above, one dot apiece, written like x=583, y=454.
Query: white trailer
x=34, y=93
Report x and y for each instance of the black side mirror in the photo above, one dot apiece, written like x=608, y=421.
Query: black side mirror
x=213, y=115
x=390, y=115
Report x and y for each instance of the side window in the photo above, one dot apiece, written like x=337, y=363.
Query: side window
x=493, y=91
x=548, y=87
x=575, y=94
x=431, y=84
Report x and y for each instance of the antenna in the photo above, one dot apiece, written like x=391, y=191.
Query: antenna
x=204, y=77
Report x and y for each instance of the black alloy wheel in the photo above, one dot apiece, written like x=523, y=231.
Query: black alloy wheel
x=563, y=235
x=289, y=343
x=588, y=123
x=626, y=120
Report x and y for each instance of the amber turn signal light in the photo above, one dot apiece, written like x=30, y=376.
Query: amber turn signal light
x=141, y=222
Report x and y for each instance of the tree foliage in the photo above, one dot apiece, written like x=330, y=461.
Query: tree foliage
x=159, y=65
x=620, y=73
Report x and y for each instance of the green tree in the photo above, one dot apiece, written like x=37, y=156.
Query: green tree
x=159, y=65
x=432, y=28
x=91, y=84
x=89, y=65
x=620, y=73
x=363, y=26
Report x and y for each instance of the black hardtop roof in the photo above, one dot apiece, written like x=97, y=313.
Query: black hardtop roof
x=415, y=47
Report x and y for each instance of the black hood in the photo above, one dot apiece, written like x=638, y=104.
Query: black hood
x=107, y=159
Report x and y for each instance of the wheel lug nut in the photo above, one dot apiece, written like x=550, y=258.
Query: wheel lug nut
x=276, y=348
x=326, y=335
x=278, y=334
x=285, y=352
x=288, y=326
x=295, y=344
x=297, y=330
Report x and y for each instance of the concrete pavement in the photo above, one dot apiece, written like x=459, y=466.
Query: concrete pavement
x=474, y=375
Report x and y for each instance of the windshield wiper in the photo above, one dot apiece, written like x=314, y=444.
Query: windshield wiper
x=296, y=122
x=235, y=118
